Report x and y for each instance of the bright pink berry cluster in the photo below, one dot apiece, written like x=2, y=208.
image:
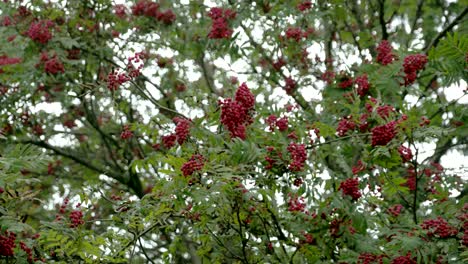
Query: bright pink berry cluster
x=382, y=135
x=350, y=187
x=151, y=9
x=346, y=124
x=295, y=203
x=305, y=5
x=220, y=22
x=7, y=244
x=384, y=53
x=236, y=114
x=195, y=163
x=298, y=155
x=395, y=210
x=126, y=132
x=405, y=153
x=182, y=129
x=40, y=31
x=439, y=227
x=411, y=65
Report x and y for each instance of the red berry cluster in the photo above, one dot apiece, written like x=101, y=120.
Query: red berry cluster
x=295, y=203
x=298, y=156
x=76, y=218
x=133, y=71
x=345, y=125
x=151, y=9
x=328, y=76
x=411, y=65
x=195, y=163
x=120, y=10
x=54, y=66
x=350, y=187
x=395, y=210
x=405, y=153
x=385, y=110
x=289, y=85
x=182, y=129
x=7, y=244
x=404, y=259
x=358, y=167
x=305, y=5
x=382, y=135
x=220, y=26
x=384, y=53
x=272, y=157
x=295, y=33
x=114, y=80
x=439, y=227
x=126, y=133
x=5, y=60
x=40, y=31
x=281, y=124
x=169, y=140
x=277, y=65
x=369, y=258
x=345, y=82
x=236, y=114
x=28, y=251
x=362, y=84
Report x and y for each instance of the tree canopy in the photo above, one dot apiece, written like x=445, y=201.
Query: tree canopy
x=248, y=131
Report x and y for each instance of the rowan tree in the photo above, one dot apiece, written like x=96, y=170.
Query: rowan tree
x=233, y=131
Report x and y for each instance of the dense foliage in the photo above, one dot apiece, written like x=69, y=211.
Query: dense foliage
x=232, y=131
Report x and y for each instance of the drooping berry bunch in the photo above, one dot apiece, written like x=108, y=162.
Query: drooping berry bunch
x=439, y=227
x=405, y=153
x=7, y=244
x=346, y=124
x=384, y=53
x=52, y=65
x=182, y=129
x=395, y=210
x=411, y=65
x=126, y=132
x=295, y=203
x=275, y=122
x=362, y=84
x=195, y=163
x=39, y=31
x=236, y=114
x=369, y=258
x=116, y=78
x=298, y=155
x=289, y=85
x=220, y=22
x=382, y=135
x=5, y=60
x=76, y=218
x=151, y=9
x=350, y=187
x=305, y=5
